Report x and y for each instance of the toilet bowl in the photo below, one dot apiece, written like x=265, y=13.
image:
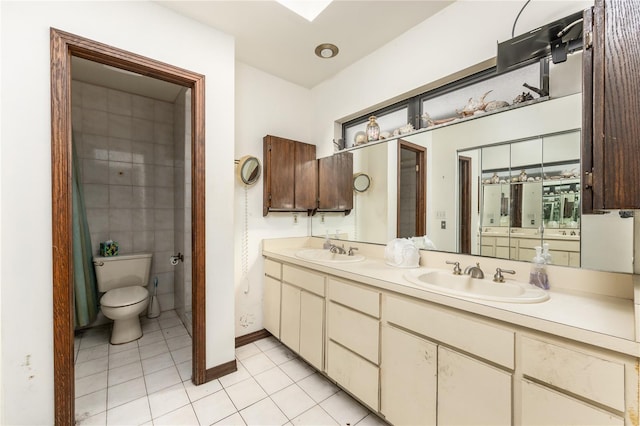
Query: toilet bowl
x=123, y=306
x=123, y=279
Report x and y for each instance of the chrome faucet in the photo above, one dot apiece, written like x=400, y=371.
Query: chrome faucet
x=351, y=249
x=337, y=249
x=456, y=267
x=474, y=271
x=498, y=275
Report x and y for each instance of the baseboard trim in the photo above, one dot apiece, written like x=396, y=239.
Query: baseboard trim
x=221, y=370
x=251, y=337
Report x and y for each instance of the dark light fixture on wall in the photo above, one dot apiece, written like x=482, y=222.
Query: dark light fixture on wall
x=327, y=50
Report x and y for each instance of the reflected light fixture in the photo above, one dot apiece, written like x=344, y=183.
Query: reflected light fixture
x=308, y=9
x=326, y=50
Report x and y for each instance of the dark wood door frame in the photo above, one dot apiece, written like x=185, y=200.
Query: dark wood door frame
x=464, y=182
x=63, y=46
x=421, y=185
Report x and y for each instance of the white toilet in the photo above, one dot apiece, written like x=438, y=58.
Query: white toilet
x=123, y=279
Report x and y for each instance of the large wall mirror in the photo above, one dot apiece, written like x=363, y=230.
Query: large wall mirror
x=496, y=185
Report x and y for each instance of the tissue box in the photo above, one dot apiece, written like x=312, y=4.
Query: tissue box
x=109, y=248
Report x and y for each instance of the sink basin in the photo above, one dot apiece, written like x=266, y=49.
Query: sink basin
x=482, y=289
x=325, y=256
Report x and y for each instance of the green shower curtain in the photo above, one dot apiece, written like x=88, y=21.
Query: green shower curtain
x=85, y=291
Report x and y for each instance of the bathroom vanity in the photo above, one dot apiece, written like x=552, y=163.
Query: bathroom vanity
x=417, y=356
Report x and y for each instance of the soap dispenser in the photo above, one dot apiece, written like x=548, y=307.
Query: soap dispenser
x=538, y=275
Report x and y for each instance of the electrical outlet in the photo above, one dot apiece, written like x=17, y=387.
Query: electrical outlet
x=295, y=219
x=322, y=218
x=443, y=224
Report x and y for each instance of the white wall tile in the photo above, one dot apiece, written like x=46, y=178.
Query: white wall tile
x=163, y=112
x=120, y=219
x=94, y=122
x=94, y=147
x=164, y=176
x=143, y=175
x=142, y=152
x=163, y=219
x=120, y=196
x=120, y=150
x=163, y=155
x=163, y=197
x=143, y=220
x=164, y=241
x=98, y=220
x=95, y=171
x=143, y=197
x=120, y=126
x=143, y=107
x=96, y=195
x=119, y=102
x=124, y=240
x=119, y=173
x=94, y=97
x=162, y=133
x=142, y=130
x=143, y=241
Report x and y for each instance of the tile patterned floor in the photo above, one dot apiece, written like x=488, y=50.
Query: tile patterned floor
x=148, y=382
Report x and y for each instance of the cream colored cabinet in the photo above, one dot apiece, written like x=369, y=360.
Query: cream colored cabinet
x=271, y=296
x=408, y=378
x=302, y=316
x=471, y=392
x=353, y=332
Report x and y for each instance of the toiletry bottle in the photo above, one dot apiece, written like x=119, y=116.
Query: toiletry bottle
x=545, y=254
x=538, y=275
x=327, y=243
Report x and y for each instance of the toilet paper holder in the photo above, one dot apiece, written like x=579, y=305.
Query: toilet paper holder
x=175, y=258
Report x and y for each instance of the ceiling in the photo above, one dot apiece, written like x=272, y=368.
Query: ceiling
x=274, y=39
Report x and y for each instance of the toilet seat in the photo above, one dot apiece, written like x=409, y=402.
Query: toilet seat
x=124, y=296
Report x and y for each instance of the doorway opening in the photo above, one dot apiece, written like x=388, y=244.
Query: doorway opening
x=464, y=189
x=64, y=47
x=411, y=190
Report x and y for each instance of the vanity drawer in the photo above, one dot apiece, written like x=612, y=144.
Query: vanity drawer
x=358, y=298
x=357, y=375
x=304, y=279
x=273, y=269
x=483, y=340
x=582, y=374
x=356, y=331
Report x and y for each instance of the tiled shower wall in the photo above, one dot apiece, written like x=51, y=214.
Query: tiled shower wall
x=125, y=147
x=182, y=180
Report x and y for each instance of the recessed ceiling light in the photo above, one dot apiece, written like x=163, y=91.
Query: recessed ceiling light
x=308, y=9
x=326, y=50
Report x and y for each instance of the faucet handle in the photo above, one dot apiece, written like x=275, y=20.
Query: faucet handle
x=351, y=249
x=498, y=275
x=456, y=267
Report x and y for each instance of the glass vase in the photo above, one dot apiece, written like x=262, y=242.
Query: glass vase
x=373, y=130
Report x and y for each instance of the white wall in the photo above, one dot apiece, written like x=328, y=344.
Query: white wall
x=264, y=105
x=25, y=173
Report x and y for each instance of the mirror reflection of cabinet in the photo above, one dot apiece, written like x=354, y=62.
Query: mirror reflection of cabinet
x=335, y=182
x=530, y=196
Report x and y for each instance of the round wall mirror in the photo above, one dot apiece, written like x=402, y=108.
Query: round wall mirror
x=361, y=182
x=248, y=170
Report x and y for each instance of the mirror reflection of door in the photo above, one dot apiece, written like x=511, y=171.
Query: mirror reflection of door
x=411, y=190
x=464, y=189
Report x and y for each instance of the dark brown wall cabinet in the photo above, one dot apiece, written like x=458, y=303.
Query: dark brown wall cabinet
x=611, y=117
x=335, y=183
x=290, y=176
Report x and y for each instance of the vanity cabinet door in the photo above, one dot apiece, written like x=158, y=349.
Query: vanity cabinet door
x=271, y=306
x=290, y=317
x=471, y=392
x=290, y=175
x=611, y=108
x=312, y=329
x=335, y=182
x=408, y=378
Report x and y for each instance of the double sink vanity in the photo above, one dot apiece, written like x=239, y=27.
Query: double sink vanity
x=426, y=346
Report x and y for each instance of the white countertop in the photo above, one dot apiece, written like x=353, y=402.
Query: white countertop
x=603, y=321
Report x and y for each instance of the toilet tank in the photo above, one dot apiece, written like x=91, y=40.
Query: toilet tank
x=122, y=270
